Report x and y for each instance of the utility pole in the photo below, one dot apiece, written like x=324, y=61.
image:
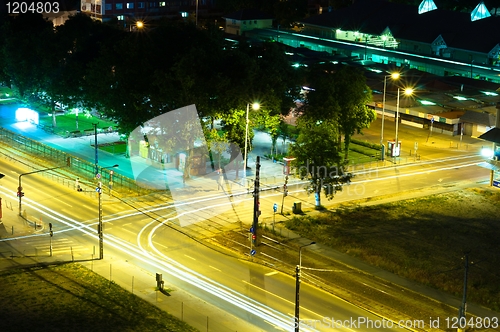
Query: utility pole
x=256, y=204
x=463, y=309
x=96, y=150
x=99, y=225
x=285, y=193
x=297, y=298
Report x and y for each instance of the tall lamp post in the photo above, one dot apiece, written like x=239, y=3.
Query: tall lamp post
x=394, y=76
x=99, y=226
x=408, y=92
x=297, y=287
x=255, y=106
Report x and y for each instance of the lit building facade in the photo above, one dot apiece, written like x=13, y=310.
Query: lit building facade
x=131, y=10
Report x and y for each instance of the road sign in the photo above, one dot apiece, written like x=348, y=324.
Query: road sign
x=275, y=207
x=251, y=229
x=253, y=252
x=98, y=175
x=432, y=120
x=98, y=190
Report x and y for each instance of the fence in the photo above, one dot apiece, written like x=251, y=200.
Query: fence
x=80, y=167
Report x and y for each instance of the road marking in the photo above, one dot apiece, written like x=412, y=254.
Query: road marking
x=190, y=257
x=159, y=244
x=214, y=268
x=271, y=273
x=281, y=298
x=127, y=230
x=129, y=223
x=375, y=288
x=63, y=202
x=266, y=291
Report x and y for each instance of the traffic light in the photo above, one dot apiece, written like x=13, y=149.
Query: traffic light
x=50, y=228
x=20, y=194
x=285, y=190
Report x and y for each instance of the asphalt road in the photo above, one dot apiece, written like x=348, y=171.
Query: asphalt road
x=151, y=234
x=138, y=235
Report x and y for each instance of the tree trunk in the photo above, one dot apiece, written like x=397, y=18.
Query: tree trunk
x=273, y=146
x=54, y=124
x=340, y=143
x=347, y=141
x=317, y=194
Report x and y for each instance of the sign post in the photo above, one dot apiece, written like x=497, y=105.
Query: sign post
x=275, y=208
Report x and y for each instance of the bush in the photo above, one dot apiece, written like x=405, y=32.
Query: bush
x=367, y=144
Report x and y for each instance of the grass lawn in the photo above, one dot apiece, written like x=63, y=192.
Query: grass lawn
x=114, y=148
x=5, y=95
x=67, y=123
x=421, y=239
x=70, y=297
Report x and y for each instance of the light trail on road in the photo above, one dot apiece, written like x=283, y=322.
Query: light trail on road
x=175, y=269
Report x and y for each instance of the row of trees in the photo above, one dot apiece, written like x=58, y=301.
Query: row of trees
x=132, y=77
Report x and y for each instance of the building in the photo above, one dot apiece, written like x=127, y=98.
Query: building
x=238, y=23
x=130, y=11
x=441, y=42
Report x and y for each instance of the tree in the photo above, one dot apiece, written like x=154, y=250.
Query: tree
x=271, y=123
x=26, y=44
x=234, y=124
x=318, y=159
x=353, y=96
x=217, y=143
x=340, y=95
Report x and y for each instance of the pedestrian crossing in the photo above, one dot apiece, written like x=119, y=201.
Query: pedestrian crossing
x=61, y=246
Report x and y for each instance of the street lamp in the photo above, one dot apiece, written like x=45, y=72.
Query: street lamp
x=99, y=226
x=255, y=106
x=408, y=92
x=297, y=286
x=394, y=76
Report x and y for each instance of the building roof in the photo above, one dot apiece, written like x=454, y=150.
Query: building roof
x=404, y=22
x=248, y=14
x=492, y=135
x=479, y=118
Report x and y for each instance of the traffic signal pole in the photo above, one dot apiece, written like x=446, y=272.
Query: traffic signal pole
x=256, y=209
x=20, y=192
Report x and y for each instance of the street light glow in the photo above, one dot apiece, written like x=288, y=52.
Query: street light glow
x=255, y=106
x=408, y=91
x=394, y=77
x=487, y=153
x=139, y=24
